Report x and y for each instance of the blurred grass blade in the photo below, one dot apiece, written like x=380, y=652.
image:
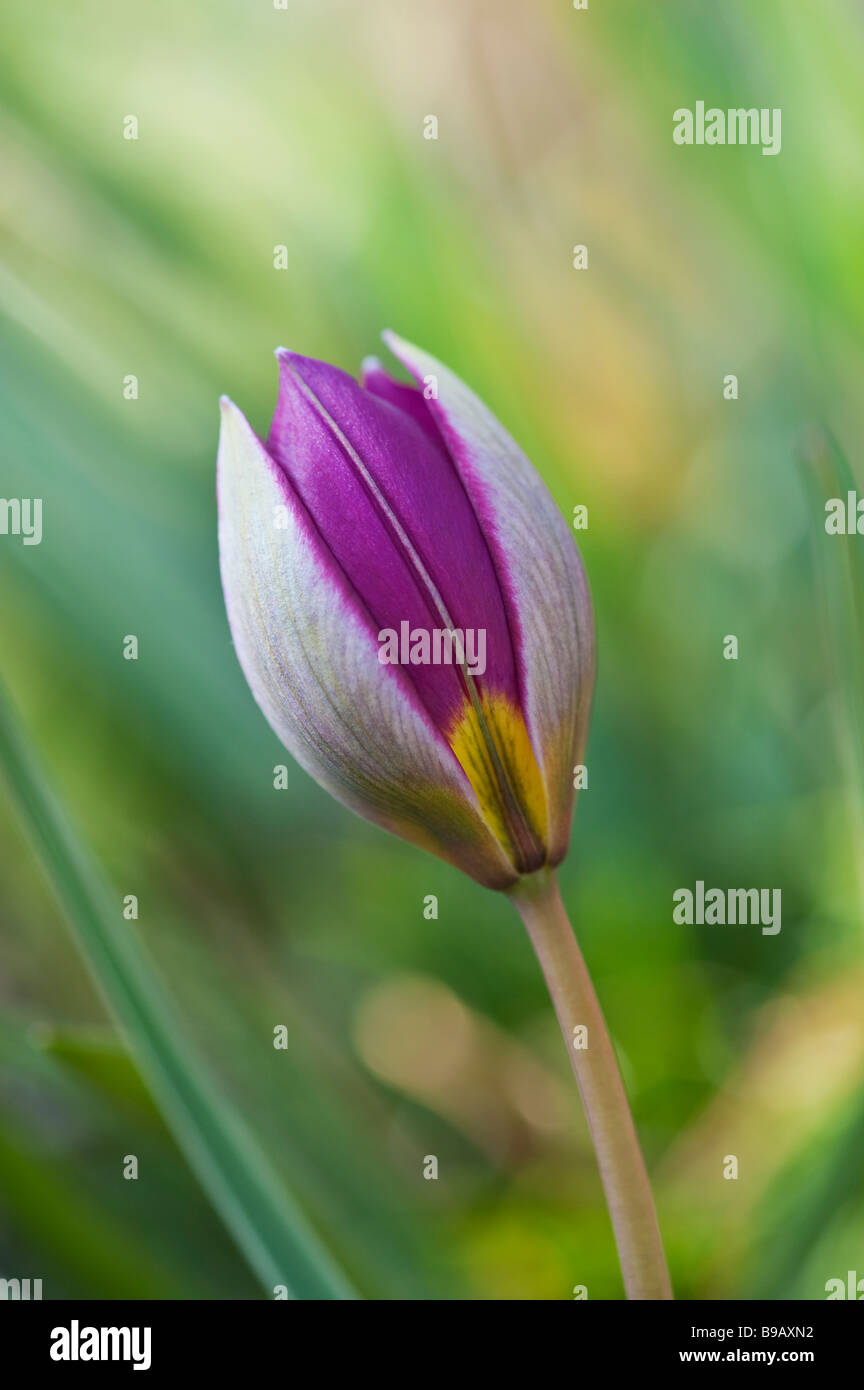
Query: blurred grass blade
x=816, y=1188
x=270, y=1230
x=839, y=567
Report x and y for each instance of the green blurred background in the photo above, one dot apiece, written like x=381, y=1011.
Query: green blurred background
x=409, y=1037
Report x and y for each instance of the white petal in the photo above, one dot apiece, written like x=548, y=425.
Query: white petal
x=542, y=577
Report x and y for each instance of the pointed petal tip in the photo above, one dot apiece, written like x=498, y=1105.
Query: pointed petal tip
x=231, y=415
x=288, y=359
x=291, y=363
x=371, y=367
x=399, y=346
x=392, y=340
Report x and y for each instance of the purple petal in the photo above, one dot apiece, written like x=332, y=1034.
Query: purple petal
x=403, y=396
x=388, y=501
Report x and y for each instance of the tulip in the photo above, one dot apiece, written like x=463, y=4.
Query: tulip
x=382, y=531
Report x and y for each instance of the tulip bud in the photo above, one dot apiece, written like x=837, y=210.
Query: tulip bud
x=410, y=609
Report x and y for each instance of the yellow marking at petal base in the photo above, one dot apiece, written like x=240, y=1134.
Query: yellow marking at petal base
x=513, y=747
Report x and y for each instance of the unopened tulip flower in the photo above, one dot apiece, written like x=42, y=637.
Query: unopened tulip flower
x=411, y=613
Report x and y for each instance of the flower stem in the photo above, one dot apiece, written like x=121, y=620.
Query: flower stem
x=622, y=1168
